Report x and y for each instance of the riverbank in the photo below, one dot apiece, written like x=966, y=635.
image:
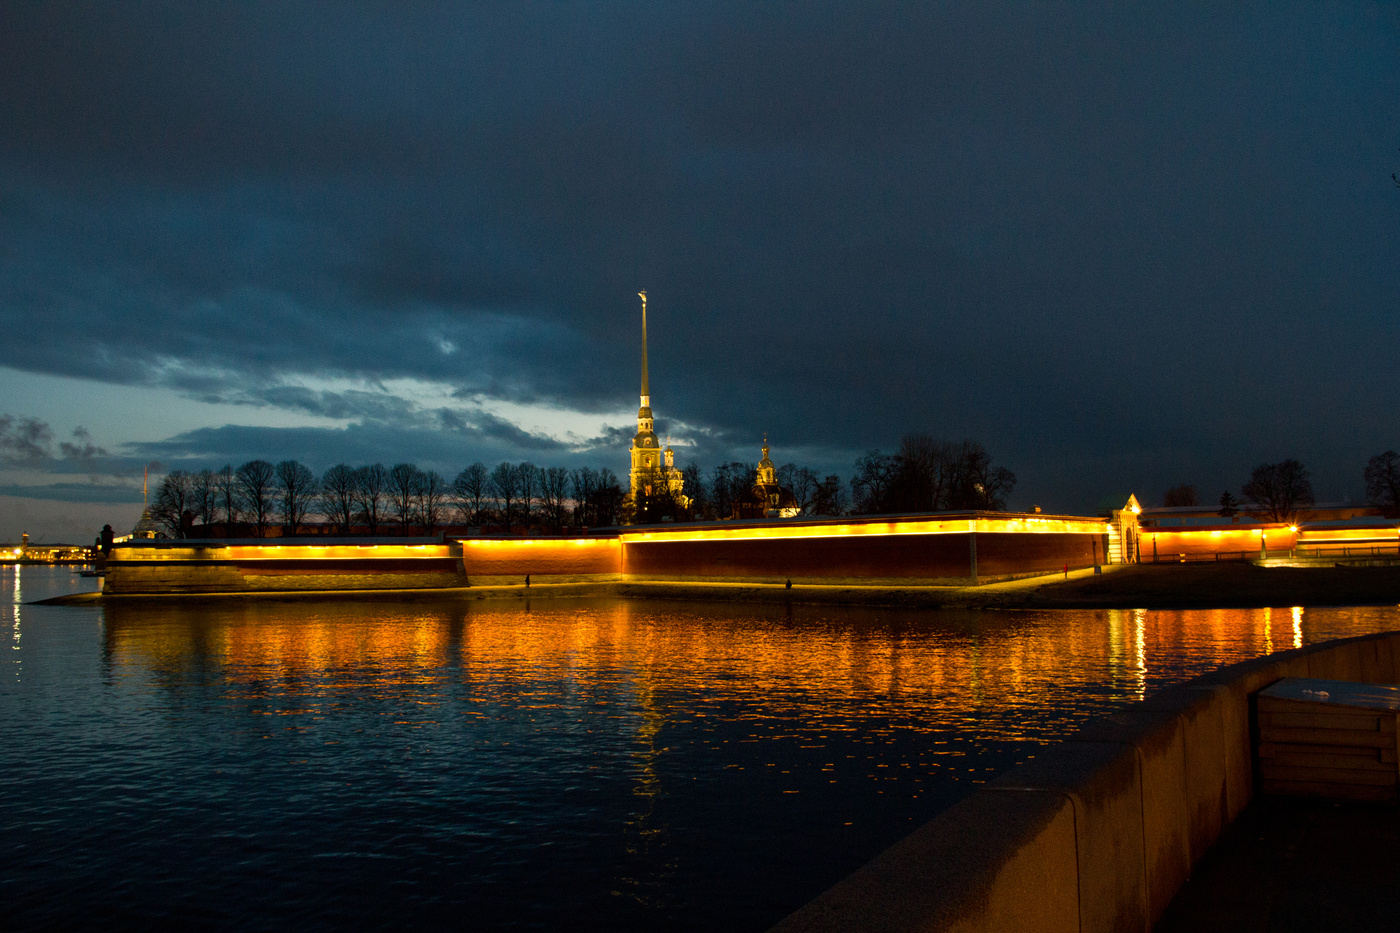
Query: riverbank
x=1234, y=585
x=1137, y=586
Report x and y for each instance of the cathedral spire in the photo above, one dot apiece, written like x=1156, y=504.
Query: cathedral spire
x=646, y=388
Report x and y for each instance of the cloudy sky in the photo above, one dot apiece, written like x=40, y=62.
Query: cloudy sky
x=1124, y=248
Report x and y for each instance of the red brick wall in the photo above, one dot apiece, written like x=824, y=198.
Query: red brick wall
x=936, y=555
x=572, y=556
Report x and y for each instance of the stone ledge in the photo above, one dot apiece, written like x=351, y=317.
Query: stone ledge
x=1148, y=790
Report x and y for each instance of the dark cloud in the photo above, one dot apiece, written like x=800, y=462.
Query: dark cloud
x=484, y=426
x=24, y=440
x=1122, y=246
x=75, y=492
x=445, y=440
x=81, y=449
x=30, y=441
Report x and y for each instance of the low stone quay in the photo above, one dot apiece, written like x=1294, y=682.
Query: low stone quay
x=916, y=550
x=1099, y=833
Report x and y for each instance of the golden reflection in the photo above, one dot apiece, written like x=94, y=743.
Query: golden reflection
x=1117, y=652
x=648, y=788
x=1268, y=630
x=999, y=674
x=1127, y=649
x=1297, y=626
x=1140, y=653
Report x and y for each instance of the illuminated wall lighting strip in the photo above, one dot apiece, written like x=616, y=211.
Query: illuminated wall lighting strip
x=873, y=529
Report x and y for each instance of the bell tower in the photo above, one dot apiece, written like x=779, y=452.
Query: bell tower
x=654, y=472
x=646, y=452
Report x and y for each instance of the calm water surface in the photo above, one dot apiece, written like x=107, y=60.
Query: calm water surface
x=588, y=764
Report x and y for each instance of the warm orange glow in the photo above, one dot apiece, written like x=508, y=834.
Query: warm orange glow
x=1357, y=535
x=1022, y=525
x=541, y=556
x=536, y=542
x=300, y=552
x=1203, y=539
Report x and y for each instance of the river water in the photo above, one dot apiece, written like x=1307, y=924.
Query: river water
x=556, y=764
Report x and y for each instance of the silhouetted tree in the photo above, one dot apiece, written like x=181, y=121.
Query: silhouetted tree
x=929, y=476
x=582, y=485
x=226, y=490
x=872, y=483
x=371, y=488
x=830, y=498
x=255, y=492
x=469, y=492
x=693, y=486
x=403, y=490
x=1229, y=505
x=1279, y=489
x=1180, y=497
x=977, y=484
x=608, y=497
x=204, y=497
x=554, y=495
x=296, y=492
x=529, y=475
x=1383, y=482
x=430, y=500
x=338, y=486
x=802, y=482
x=925, y=471
x=172, y=505
x=729, y=482
x=505, y=490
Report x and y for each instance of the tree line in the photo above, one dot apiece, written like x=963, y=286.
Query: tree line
x=375, y=499
x=924, y=475
x=930, y=475
x=1279, y=491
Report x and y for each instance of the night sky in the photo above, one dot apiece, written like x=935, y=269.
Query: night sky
x=1122, y=248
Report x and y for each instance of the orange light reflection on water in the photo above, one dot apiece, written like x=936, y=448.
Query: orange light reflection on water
x=1006, y=676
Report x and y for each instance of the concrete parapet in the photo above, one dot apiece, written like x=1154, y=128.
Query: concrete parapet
x=1392, y=643
x=1108, y=823
x=1377, y=666
x=1240, y=682
x=998, y=861
x=1337, y=660
x=1201, y=709
x=1159, y=739
x=1103, y=781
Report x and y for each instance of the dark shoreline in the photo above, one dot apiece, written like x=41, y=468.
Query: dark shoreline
x=1140, y=586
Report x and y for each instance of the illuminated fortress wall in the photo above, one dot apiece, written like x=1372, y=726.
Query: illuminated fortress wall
x=553, y=560
x=1227, y=541
x=209, y=567
x=1366, y=536
x=901, y=550
x=919, y=549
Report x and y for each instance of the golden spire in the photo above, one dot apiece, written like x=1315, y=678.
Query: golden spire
x=646, y=389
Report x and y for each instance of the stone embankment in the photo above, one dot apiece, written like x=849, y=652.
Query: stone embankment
x=1097, y=833
x=1138, y=586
